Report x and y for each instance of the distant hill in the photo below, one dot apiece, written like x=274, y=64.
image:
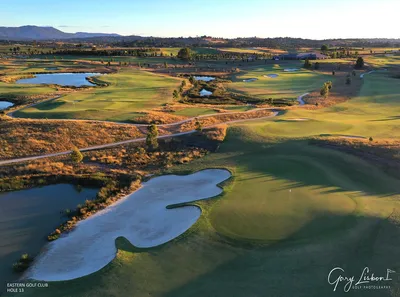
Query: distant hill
x=44, y=33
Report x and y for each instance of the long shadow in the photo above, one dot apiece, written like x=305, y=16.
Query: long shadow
x=305, y=165
x=302, y=268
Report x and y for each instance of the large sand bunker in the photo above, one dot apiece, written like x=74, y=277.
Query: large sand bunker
x=142, y=217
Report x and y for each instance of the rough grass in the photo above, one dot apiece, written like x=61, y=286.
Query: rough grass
x=21, y=138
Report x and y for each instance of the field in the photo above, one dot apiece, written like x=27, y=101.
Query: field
x=129, y=93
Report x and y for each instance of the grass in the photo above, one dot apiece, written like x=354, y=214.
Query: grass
x=373, y=113
x=288, y=85
x=8, y=90
x=130, y=92
x=290, y=214
x=333, y=215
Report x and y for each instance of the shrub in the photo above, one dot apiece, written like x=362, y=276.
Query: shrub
x=76, y=155
x=23, y=263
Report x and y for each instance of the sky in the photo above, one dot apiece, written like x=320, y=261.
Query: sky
x=316, y=19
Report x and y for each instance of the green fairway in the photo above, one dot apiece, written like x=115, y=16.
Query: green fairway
x=375, y=112
x=8, y=90
x=129, y=92
x=287, y=85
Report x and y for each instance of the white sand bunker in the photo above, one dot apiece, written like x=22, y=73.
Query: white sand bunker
x=250, y=79
x=297, y=119
x=141, y=217
x=271, y=75
x=204, y=92
x=291, y=69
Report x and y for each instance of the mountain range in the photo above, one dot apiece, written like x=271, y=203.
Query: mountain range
x=44, y=33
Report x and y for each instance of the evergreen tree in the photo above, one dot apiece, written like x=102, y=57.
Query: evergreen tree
x=76, y=155
x=151, y=138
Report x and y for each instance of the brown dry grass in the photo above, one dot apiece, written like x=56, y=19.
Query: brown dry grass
x=223, y=118
x=158, y=117
x=21, y=138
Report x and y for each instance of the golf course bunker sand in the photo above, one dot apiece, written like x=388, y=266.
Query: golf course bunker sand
x=291, y=69
x=250, y=79
x=297, y=119
x=271, y=75
x=141, y=217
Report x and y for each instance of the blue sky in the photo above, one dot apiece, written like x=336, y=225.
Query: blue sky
x=222, y=18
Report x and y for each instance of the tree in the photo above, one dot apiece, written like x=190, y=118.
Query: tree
x=326, y=89
x=198, y=126
x=151, y=138
x=184, y=53
x=324, y=48
x=76, y=155
x=192, y=80
x=359, y=63
x=307, y=63
x=175, y=94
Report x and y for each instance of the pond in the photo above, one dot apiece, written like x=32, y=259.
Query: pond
x=28, y=216
x=271, y=75
x=5, y=104
x=142, y=217
x=204, y=93
x=204, y=78
x=62, y=79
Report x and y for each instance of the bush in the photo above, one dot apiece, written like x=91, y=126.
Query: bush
x=76, y=155
x=23, y=263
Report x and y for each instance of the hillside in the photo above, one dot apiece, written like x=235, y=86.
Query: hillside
x=44, y=33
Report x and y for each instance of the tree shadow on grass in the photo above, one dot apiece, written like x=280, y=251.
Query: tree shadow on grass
x=300, y=268
x=302, y=164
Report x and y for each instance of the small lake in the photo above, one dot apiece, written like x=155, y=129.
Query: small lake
x=204, y=92
x=62, y=79
x=204, y=78
x=28, y=216
x=5, y=104
x=271, y=75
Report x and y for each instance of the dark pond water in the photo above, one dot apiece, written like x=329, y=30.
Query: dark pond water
x=5, y=104
x=62, y=79
x=28, y=216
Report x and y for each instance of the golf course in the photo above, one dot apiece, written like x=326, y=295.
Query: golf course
x=286, y=194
